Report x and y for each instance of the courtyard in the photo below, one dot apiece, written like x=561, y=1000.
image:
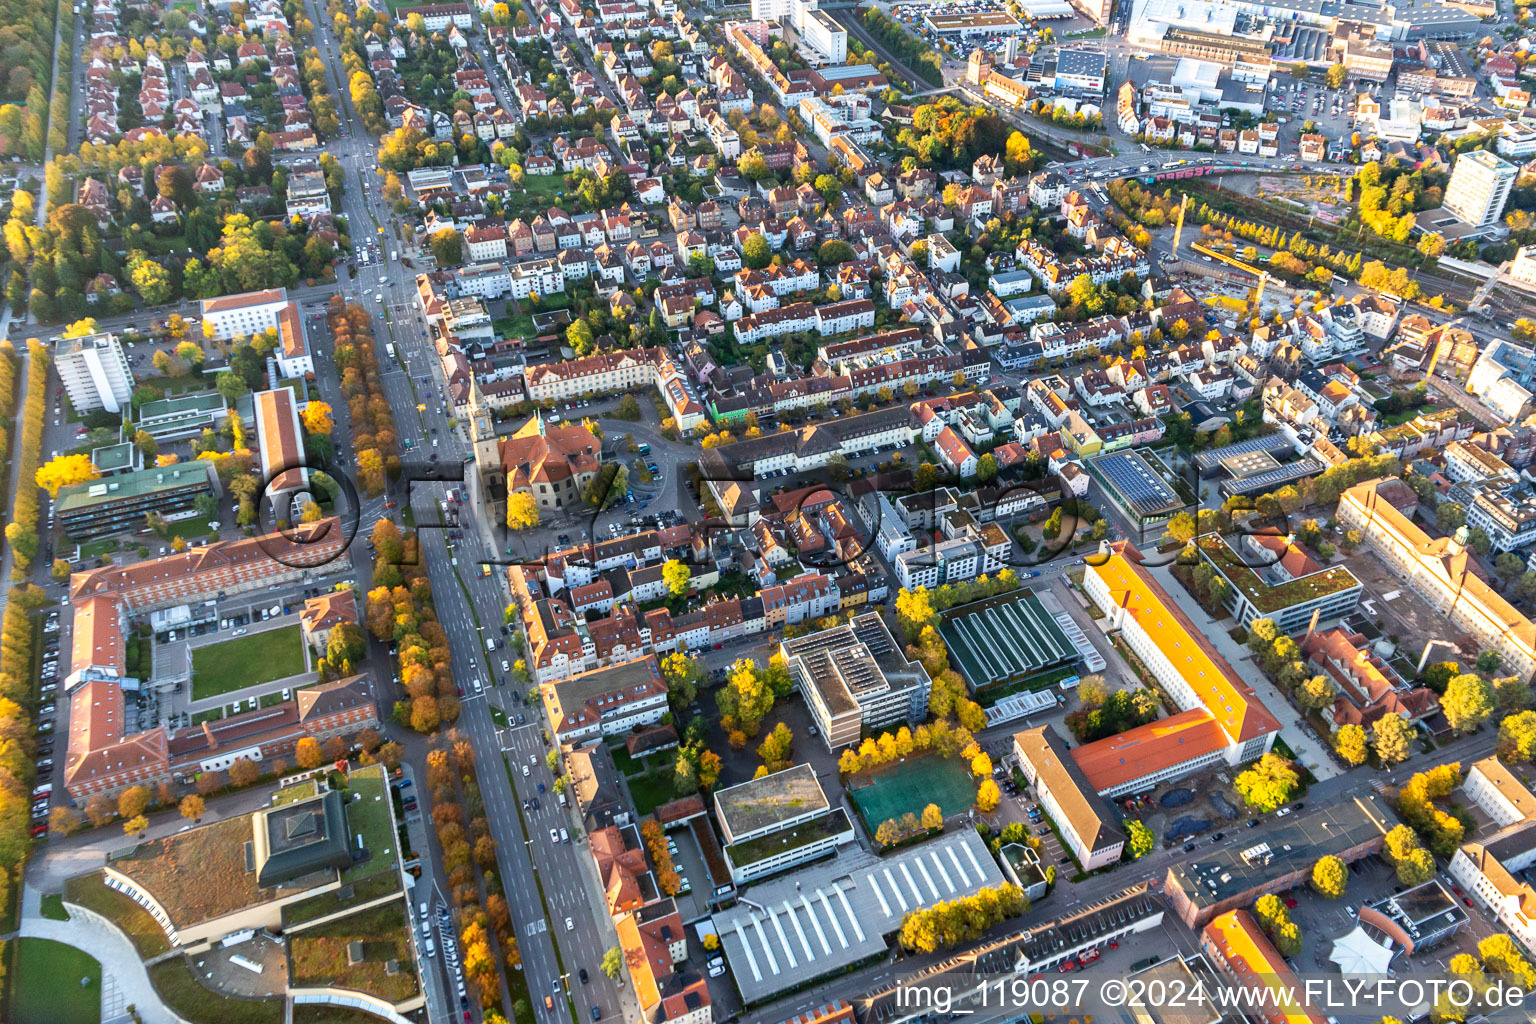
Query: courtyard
x=246, y=661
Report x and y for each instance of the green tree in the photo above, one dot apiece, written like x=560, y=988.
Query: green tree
x=1509, y=566
x=1268, y=783
x=834, y=251
x=756, y=253
x=1450, y=516
x=1439, y=675
x=1392, y=739
x=683, y=675
x=1315, y=693
x=1139, y=839
x=613, y=962
x=776, y=748
x=986, y=468
x=1467, y=703
x=1350, y=744
x=447, y=247
x=677, y=577
x=1511, y=694
x=579, y=336
x=1329, y=877
x=1517, y=737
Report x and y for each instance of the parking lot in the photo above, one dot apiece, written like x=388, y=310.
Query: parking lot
x=42, y=795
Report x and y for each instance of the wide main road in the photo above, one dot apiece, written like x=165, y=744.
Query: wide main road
x=357, y=155
x=413, y=384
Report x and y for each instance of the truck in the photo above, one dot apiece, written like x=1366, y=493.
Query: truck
x=389, y=347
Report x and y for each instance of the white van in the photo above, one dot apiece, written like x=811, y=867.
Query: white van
x=490, y=643
x=565, y=836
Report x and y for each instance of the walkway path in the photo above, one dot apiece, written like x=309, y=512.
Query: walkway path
x=1309, y=750
x=124, y=981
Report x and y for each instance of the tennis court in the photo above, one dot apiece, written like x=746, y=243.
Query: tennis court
x=913, y=785
x=1004, y=639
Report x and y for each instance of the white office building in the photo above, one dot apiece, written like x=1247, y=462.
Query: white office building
x=812, y=26
x=94, y=372
x=1479, y=187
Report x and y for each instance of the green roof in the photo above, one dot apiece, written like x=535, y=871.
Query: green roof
x=775, y=843
x=113, y=457
x=139, y=483
x=759, y=803
x=1266, y=598
x=182, y=405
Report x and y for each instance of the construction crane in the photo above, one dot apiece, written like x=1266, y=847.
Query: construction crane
x=1178, y=228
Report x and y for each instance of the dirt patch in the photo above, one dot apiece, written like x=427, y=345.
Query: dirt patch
x=1404, y=616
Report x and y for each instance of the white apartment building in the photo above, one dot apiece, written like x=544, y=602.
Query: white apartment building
x=1490, y=870
x=245, y=314
x=94, y=372
x=253, y=312
x=1479, y=187
x=855, y=677
x=1522, y=270
x=1499, y=792
x=1467, y=463
x=813, y=26
x=608, y=701
x=1509, y=523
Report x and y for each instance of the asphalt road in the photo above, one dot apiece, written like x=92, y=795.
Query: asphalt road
x=524, y=855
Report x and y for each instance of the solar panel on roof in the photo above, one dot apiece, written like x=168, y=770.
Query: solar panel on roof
x=1142, y=488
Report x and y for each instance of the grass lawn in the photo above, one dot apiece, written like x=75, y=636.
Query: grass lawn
x=520, y=326
x=99, y=548
x=190, y=998
x=651, y=791
x=548, y=186
x=45, y=986
x=246, y=661
x=53, y=907
x=143, y=931
x=911, y=786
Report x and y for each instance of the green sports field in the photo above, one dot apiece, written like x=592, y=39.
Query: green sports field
x=913, y=785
